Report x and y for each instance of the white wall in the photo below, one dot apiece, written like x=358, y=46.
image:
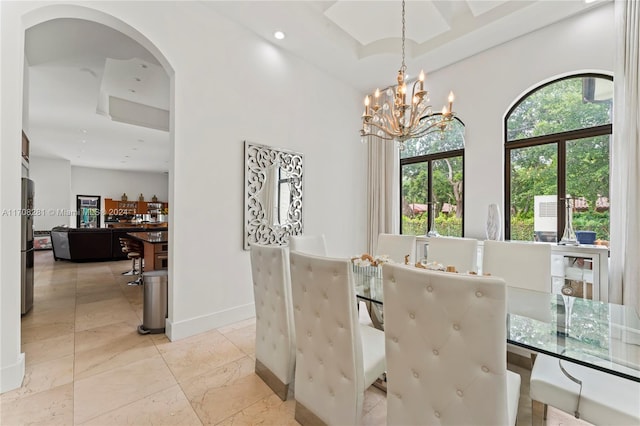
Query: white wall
x=52, y=178
x=274, y=99
x=486, y=85
x=12, y=48
x=58, y=183
x=113, y=183
x=228, y=86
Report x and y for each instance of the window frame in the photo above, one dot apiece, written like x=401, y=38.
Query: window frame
x=429, y=159
x=560, y=139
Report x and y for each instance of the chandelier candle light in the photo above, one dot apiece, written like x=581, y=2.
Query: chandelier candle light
x=399, y=120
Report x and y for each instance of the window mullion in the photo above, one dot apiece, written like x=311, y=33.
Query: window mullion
x=430, y=194
x=562, y=187
x=507, y=192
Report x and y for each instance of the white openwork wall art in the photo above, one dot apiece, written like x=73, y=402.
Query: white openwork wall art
x=272, y=194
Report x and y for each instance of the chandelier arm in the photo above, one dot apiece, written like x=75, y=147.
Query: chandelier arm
x=431, y=128
x=417, y=113
x=391, y=125
x=389, y=105
x=387, y=138
x=384, y=129
x=425, y=111
x=387, y=116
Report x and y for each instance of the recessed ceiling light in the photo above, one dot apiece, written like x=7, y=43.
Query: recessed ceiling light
x=279, y=35
x=83, y=130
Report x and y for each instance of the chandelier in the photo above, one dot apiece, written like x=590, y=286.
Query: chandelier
x=400, y=118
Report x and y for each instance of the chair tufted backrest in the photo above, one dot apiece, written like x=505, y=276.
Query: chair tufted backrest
x=310, y=244
x=459, y=252
x=521, y=264
x=275, y=338
x=397, y=247
x=445, y=339
x=329, y=367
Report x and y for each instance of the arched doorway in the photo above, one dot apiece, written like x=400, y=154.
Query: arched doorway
x=90, y=16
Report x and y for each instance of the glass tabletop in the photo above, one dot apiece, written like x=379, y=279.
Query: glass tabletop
x=599, y=335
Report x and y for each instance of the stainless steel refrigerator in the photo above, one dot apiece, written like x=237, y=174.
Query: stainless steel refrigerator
x=26, y=249
x=88, y=211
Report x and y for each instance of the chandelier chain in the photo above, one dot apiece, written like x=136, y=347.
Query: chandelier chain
x=404, y=67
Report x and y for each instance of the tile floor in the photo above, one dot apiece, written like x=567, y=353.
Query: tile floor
x=86, y=363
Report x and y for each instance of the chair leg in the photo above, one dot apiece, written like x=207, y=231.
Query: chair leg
x=538, y=413
x=306, y=417
x=137, y=281
x=133, y=270
x=270, y=379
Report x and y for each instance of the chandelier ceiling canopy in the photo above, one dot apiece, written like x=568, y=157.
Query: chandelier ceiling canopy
x=397, y=116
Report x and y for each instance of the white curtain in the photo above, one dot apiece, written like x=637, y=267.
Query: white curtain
x=624, y=286
x=383, y=204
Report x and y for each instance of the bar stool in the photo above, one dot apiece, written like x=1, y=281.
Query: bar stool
x=135, y=251
x=138, y=248
x=124, y=246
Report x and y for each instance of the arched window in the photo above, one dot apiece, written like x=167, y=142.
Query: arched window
x=432, y=175
x=557, y=140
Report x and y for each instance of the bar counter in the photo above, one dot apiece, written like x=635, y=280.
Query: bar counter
x=129, y=224
x=156, y=248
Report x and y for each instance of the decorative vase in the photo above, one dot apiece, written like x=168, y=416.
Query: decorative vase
x=141, y=197
x=124, y=197
x=154, y=198
x=568, y=236
x=433, y=232
x=493, y=229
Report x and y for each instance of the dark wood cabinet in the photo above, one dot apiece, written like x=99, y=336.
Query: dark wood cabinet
x=124, y=208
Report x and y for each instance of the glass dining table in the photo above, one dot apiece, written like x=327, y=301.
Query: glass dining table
x=599, y=335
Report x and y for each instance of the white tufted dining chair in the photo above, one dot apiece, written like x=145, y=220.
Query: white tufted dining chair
x=275, y=338
x=445, y=339
x=521, y=264
x=459, y=252
x=310, y=244
x=397, y=247
x=336, y=358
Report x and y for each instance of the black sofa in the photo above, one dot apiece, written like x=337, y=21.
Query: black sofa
x=90, y=244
